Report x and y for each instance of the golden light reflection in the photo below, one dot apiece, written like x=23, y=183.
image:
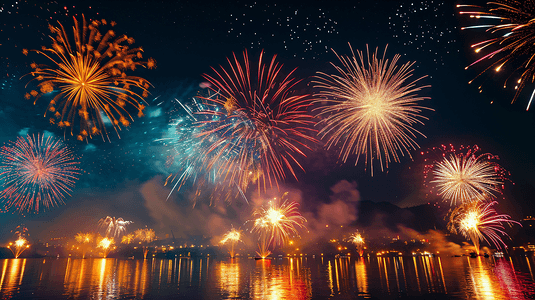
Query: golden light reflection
x=229, y=278
x=273, y=281
x=284, y=278
x=442, y=275
x=362, y=276
x=484, y=286
x=4, y=268
x=12, y=274
x=330, y=270
x=416, y=272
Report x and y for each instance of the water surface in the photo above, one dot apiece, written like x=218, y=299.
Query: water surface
x=286, y=278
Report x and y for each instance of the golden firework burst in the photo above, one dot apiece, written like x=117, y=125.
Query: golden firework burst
x=371, y=108
x=90, y=79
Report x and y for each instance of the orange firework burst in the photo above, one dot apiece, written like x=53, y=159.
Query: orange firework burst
x=512, y=41
x=480, y=221
x=36, y=172
x=277, y=223
x=371, y=108
x=90, y=78
x=262, y=126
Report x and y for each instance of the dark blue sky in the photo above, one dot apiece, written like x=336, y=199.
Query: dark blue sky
x=187, y=37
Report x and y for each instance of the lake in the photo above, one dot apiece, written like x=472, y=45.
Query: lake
x=285, y=278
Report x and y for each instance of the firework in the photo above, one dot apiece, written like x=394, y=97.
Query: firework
x=232, y=237
x=480, y=221
x=145, y=236
x=18, y=247
x=276, y=223
x=114, y=227
x=37, y=172
x=510, y=46
x=89, y=77
x=21, y=231
x=128, y=239
x=187, y=155
x=106, y=245
x=371, y=108
x=358, y=240
x=462, y=175
x=84, y=239
x=260, y=126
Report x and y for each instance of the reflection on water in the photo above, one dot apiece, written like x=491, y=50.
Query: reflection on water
x=280, y=281
x=287, y=278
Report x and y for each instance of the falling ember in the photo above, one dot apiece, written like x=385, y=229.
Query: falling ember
x=479, y=221
x=370, y=108
x=90, y=79
x=462, y=175
x=37, y=172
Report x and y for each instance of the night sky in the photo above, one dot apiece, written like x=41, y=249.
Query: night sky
x=125, y=178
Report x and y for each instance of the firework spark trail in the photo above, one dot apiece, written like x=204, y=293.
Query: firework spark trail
x=263, y=126
x=37, y=172
x=371, y=108
x=462, y=175
x=511, y=41
x=480, y=221
x=113, y=227
x=90, y=78
x=276, y=223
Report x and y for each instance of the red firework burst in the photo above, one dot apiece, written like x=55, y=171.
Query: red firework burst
x=263, y=127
